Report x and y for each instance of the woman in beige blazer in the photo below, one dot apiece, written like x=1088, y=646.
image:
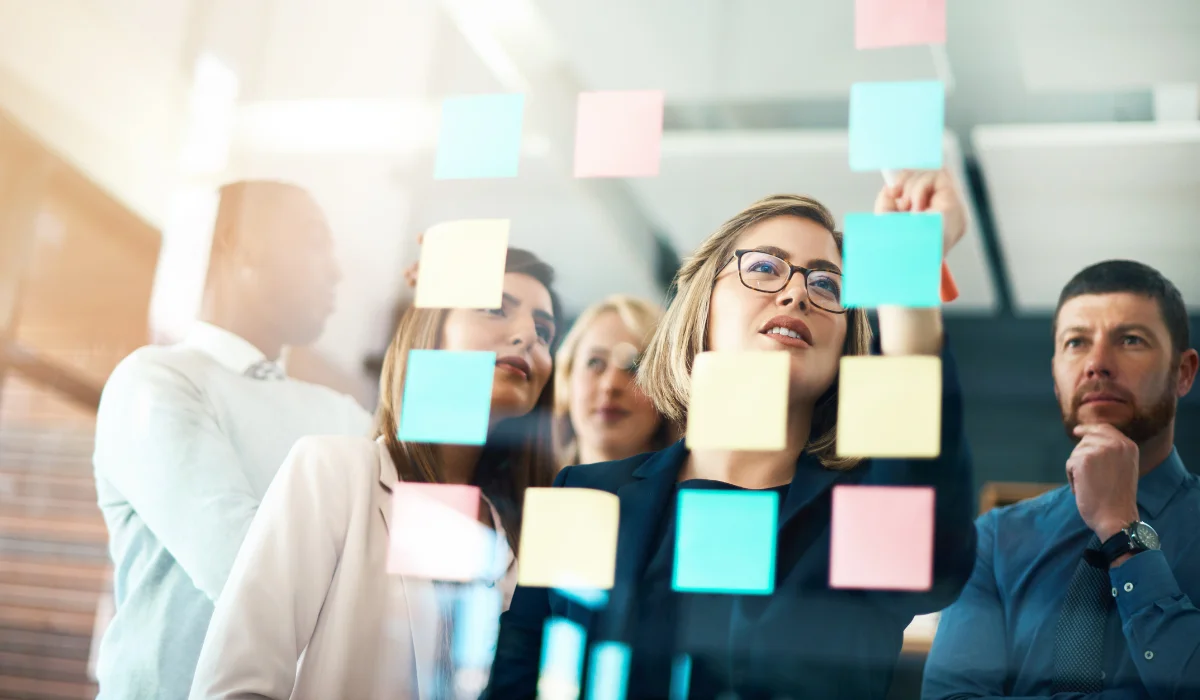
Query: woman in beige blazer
x=303, y=614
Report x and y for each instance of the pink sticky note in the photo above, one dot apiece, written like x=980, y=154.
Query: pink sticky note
x=435, y=533
x=882, y=538
x=619, y=133
x=882, y=23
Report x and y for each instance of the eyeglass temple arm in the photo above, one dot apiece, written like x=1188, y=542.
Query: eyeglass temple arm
x=949, y=286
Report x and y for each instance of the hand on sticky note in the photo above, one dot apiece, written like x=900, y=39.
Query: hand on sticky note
x=462, y=265
x=724, y=414
x=890, y=406
x=916, y=192
x=881, y=538
x=568, y=539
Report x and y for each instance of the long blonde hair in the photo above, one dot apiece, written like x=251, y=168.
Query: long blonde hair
x=519, y=453
x=665, y=373
x=640, y=317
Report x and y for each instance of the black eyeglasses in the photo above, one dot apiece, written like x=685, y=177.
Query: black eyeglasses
x=769, y=274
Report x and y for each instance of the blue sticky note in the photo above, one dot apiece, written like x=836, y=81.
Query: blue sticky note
x=725, y=541
x=894, y=126
x=447, y=396
x=608, y=675
x=480, y=136
x=563, y=643
x=476, y=626
x=681, y=677
x=590, y=598
x=893, y=259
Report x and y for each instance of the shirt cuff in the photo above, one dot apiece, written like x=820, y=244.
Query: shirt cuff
x=1143, y=579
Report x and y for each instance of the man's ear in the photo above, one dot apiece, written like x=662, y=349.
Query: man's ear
x=1189, y=361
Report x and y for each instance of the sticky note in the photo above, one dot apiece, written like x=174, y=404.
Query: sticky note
x=436, y=533
x=739, y=401
x=883, y=23
x=681, y=677
x=462, y=265
x=725, y=541
x=890, y=406
x=608, y=674
x=476, y=626
x=479, y=137
x=568, y=538
x=562, y=660
x=447, y=396
x=882, y=538
x=893, y=259
x=619, y=133
x=894, y=126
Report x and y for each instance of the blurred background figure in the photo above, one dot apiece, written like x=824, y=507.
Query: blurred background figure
x=189, y=436
x=306, y=608
x=600, y=414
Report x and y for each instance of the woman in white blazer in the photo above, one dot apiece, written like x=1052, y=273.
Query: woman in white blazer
x=303, y=612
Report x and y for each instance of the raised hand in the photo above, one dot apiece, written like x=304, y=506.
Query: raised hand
x=918, y=191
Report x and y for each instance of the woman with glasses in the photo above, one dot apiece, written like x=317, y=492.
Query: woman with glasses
x=769, y=279
x=600, y=413
x=306, y=610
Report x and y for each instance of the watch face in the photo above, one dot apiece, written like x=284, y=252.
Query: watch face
x=1143, y=536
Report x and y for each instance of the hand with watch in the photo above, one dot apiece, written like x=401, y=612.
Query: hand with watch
x=1103, y=474
x=1135, y=538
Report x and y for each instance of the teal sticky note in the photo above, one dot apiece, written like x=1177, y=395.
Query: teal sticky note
x=892, y=259
x=447, y=396
x=563, y=644
x=895, y=126
x=725, y=541
x=476, y=625
x=479, y=137
x=608, y=674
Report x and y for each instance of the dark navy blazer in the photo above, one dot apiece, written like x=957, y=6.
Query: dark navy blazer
x=804, y=641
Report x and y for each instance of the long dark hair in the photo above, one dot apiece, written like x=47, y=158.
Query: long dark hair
x=519, y=452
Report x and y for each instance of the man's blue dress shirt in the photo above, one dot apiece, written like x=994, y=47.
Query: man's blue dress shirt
x=997, y=640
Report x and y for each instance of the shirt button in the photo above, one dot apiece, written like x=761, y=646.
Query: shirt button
x=1128, y=587
x=1149, y=655
x=1114, y=591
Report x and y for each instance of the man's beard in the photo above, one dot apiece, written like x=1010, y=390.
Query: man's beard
x=1143, y=425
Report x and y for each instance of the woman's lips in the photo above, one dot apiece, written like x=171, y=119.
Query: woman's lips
x=611, y=414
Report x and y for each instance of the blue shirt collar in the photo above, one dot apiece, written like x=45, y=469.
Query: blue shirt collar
x=1157, y=488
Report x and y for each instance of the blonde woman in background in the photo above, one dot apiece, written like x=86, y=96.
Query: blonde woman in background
x=600, y=413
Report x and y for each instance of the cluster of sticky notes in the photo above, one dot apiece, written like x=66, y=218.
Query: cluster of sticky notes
x=892, y=259
x=437, y=534
x=568, y=539
x=617, y=134
x=882, y=538
x=563, y=644
x=462, y=265
x=447, y=396
x=890, y=406
x=738, y=401
x=725, y=541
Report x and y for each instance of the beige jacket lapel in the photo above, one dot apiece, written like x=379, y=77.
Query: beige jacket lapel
x=419, y=596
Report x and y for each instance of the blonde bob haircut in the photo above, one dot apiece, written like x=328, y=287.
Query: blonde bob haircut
x=665, y=372
x=640, y=317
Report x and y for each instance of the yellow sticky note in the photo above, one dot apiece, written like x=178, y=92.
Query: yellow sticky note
x=738, y=401
x=568, y=539
x=462, y=265
x=890, y=406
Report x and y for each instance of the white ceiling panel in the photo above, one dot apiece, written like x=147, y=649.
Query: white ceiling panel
x=723, y=50
x=707, y=177
x=1085, y=45
x=1067, y=196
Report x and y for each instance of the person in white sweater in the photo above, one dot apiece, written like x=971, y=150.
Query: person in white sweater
x=305, y=609
x=189, y=436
